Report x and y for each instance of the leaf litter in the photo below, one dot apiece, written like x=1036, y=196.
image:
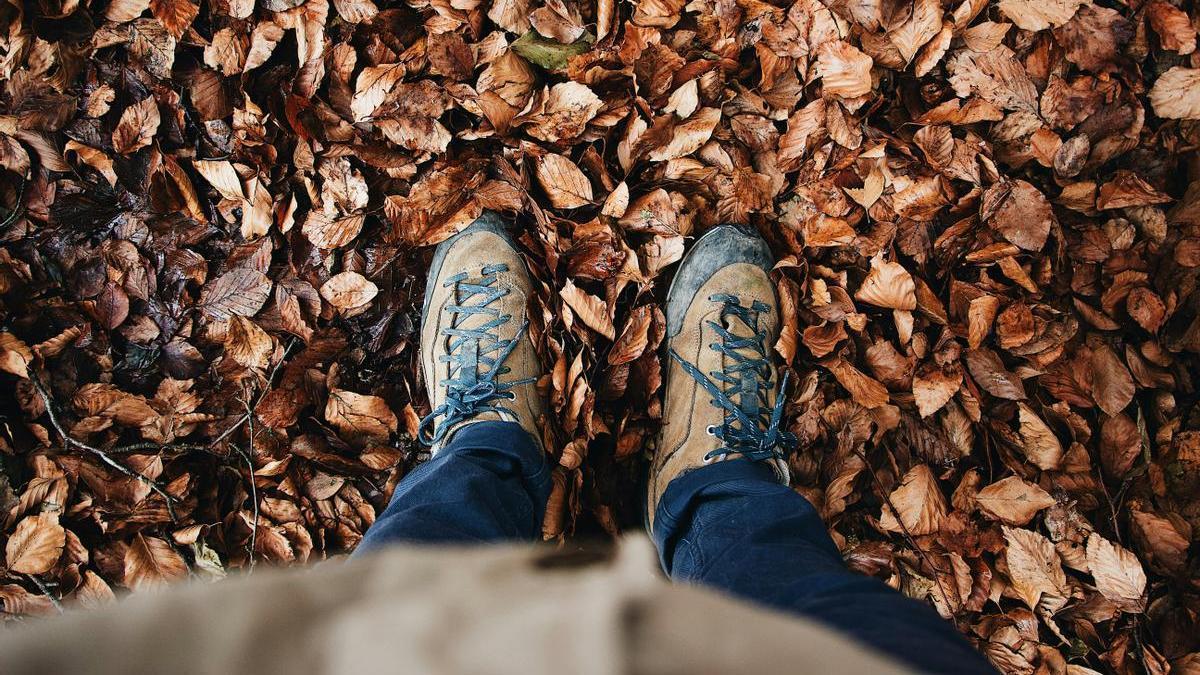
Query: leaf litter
x=215, y=220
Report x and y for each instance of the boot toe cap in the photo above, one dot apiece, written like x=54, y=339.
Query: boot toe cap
x=720, y=247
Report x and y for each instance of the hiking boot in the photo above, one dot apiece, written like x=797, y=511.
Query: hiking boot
x=478, y=359
x=723, y=398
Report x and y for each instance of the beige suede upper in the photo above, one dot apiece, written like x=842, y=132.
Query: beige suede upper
x=687, y=408
x=470, y=253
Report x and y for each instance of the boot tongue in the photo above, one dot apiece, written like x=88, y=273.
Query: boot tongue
x=745, y=393
x=472, y=350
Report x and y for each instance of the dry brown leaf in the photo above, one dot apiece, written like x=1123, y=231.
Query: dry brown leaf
x=348, y=291
x=1040, y=443
x=565, y=185
x=568, y=108
x=1012, y=501
x=844, y=70
x=1176, y=94
x=1120, y=445
x=924, y=22
x=1035, y=15
x=326, y=232
x=996, y=76
x=360, y=415
x=121, y=11
x=1118, y=573
x=222, y=176
x=511, y=15
x=175, y=15
x=888, y=285
x=919, y=503
x=137, y=126
x=239, y=291
x=1024, y=217
x=933, y=388
x=1174, y=27
x=590, y=309
x=152, y=563
x=1112, y=385
x=688, y=136
x=36, y=544
x=980, y=315
x=634, y=337
x=989, y=372
x=15, y=355
x=1033, y=566
x=94, y=592
x=248, y=344
x=1163, y=547
x=865, y=390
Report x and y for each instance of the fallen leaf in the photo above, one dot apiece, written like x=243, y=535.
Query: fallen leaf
x=1013, y=501
x=565, y=185
x=348, y=291
x=1118, y=574
x=844, y=70
x=888, y=285
x=1033, y=566
x=1112, y=385
x=919, y=503
x=1176, y=94
x=1035, y=15
x=933, y=388
x=590, y=309
x=1040, y=443
x=360, y=415
x=688, y=136
x=989, y=372
x=865, y=391
x=36, y=544
x=137, y=126
x=15, y=355
x=152, y=563
x=239, y=291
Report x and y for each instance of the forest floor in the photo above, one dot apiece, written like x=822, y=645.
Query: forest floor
x=215, y=220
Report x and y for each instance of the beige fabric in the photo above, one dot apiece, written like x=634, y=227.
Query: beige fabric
x=520, y=610
x=687, y=408
x=469, y=254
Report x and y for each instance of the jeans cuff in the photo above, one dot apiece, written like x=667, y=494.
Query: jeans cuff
x=510, y=439
x=676, y=506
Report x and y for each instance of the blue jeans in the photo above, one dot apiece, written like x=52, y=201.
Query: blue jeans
x=728, y=526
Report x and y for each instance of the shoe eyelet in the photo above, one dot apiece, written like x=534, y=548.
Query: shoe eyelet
x=511, y=396
x=711, y=430
x=708, y=460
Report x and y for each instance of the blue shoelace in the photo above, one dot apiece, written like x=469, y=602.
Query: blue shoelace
x=750, y=428
x=476, y=356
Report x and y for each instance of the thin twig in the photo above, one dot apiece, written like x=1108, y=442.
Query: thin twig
x=100, y=454
x=247, y=455
x=261, y=395
x=904, y=529
x=46, y=591
x=211, y=445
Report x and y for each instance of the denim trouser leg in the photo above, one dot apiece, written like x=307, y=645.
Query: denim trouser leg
x=730, y=526
x=489, y=483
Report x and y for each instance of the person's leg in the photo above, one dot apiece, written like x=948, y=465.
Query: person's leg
x=489, y=483
x=488, y=479
x=731, y=526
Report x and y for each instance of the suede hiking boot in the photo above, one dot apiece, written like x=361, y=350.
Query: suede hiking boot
x=478, y=359
x=722, y=399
